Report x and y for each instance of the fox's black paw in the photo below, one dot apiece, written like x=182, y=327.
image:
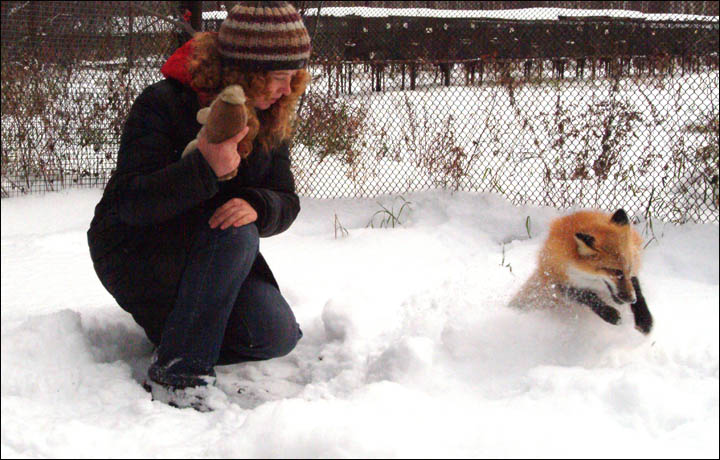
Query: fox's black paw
x=589, y=298
x=603, y=310
x=643, y=318
x=643, y=322
x=608, y=314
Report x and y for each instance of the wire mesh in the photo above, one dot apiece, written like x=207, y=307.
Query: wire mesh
x=582, y=106
x=70, y=72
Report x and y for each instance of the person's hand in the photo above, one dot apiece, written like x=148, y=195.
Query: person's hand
x=223, y=158
x=236, y=211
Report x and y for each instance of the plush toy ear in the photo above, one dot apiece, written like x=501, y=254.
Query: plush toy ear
x=620, y=218
x=202, y=115
x=585, y=244
x=190, y=147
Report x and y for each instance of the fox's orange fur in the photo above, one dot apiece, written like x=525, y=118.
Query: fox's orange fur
x=589, y=251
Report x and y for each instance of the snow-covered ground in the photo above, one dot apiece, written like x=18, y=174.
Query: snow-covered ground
x=409, y=349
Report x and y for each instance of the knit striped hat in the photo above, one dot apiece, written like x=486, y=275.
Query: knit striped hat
x=264, y=36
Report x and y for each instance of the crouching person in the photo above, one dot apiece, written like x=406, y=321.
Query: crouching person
x=176, y=247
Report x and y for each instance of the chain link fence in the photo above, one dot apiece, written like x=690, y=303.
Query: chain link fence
x=70, y=72
x=564, y=104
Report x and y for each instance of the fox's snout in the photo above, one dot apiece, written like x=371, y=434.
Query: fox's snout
x=623, y=292
x=627, y=297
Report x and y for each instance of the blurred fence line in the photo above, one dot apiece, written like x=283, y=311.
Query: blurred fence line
x=564, y=104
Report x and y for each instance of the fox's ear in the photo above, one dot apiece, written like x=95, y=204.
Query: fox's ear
x=585, y=244
x=620, y=218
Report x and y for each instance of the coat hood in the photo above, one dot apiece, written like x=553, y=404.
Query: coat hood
x=176, y=67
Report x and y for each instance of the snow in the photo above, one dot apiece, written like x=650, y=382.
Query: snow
x=519, y=14
x=409, y=349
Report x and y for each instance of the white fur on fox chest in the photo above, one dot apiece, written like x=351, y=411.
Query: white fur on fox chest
x=596, y=282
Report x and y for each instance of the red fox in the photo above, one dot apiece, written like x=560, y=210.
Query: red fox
x=591, y=258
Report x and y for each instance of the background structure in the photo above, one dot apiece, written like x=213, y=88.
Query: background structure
x=564, y=104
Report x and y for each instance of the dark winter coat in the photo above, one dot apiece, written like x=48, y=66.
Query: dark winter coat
x=144, y=224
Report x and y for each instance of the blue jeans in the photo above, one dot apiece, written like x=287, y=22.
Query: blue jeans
x=223, y=313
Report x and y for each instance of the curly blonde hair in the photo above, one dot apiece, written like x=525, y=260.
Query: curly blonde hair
x=209, y=74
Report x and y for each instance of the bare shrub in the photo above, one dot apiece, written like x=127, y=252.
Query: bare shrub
x=694, y=162
x=435, y=148
x=330, y=127
x=48, y=121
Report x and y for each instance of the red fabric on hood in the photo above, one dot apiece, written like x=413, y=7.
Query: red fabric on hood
x=176, y=68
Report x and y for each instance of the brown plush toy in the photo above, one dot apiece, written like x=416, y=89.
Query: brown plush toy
x=225, y=117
